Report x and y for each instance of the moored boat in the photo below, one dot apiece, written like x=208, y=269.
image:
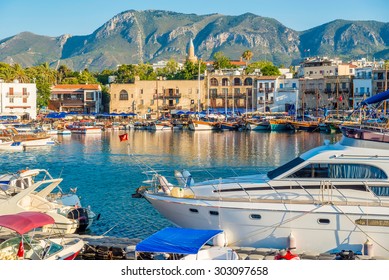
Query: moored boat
x=334, y=197
x=28, y=246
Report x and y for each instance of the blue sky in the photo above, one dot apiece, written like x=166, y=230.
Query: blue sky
x=80, y=17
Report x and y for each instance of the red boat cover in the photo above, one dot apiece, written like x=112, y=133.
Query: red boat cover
x=25, y=221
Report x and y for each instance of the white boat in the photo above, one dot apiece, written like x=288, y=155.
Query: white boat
x=9, y=145
x=184, y=244
x=28, y=246
x=37, y=190
x=64, y=132
x=334, y=197
x=84, y=128
x=160, y=126
x=27, y=139
x=199, y=125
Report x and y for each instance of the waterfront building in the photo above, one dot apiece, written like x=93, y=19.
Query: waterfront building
x=286, y=95
x=380, y=80
x=318, y=68
x=82, y=98
x=231, y=90
x=362, y=84
x=152, y=99
x=18, y=99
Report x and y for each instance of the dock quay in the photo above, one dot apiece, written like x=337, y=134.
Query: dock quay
x=115, y=248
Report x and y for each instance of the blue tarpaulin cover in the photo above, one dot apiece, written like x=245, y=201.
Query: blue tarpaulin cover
x=176, y=240
x=376, y=98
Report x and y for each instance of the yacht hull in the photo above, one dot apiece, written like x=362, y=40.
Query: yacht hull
x=317, y=228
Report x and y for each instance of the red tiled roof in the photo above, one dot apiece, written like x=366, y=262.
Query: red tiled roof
x=77, y=87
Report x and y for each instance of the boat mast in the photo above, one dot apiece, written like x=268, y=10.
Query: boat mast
x=337, y=97
x=199, y=93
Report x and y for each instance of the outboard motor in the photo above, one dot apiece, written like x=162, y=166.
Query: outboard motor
x=81, y=215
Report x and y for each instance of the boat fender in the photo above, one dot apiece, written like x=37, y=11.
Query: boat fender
x=291, y=242
x=368, y=248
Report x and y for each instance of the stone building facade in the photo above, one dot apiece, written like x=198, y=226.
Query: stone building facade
x=152, y=99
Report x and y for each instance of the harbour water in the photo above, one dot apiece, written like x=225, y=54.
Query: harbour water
x=107, y=172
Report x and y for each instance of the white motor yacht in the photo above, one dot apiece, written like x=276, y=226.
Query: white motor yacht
x=37, y=190
x=332, y=198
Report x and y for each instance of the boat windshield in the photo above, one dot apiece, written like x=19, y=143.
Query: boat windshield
x=283, y=168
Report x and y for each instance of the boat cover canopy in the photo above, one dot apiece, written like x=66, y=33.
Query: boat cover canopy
x=376, y=98
x=25, y=221
x=177, y=240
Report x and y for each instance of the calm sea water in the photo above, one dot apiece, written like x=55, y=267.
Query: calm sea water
x=107, y=171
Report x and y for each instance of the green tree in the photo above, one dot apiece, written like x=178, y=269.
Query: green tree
x=247, y=55
x=43, y=93
x=62, y=73
x=145, y=72
x=270, y=70
x=257, y=65
x=125, y=73
x=169, y=71
x=19, y=73
x=103, y=77
x=6, y=72
x=190, y=71
x=221, y=61
x=85, y=77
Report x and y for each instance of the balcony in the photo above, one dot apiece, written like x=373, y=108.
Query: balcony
x=266, y=90
x=168, y=96
x=168, y=107
x=18, y=94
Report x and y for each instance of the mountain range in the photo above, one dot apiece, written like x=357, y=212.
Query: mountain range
x=149, y=36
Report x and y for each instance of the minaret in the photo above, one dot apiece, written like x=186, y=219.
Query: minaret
x=191, y=55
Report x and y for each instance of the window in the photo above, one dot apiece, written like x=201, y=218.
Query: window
x=214, y=213
x=225, y=82
x=248, y=82
x=237, y=82
x=339, y=171
x=123, y=95
x=214, y=82
x=323, y=221
x=225, y=91
x=213, y=92
x=236, y=91
x=11, y=100
x=89, y=96
x=193, y=210
x=255, y=216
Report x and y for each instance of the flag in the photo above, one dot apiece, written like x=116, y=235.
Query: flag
x=123, y=137
x=20, y=253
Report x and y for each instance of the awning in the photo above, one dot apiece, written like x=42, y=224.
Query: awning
x=25, y=221
x=177, y=241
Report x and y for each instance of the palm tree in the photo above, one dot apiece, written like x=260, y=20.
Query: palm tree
x=247, y=55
